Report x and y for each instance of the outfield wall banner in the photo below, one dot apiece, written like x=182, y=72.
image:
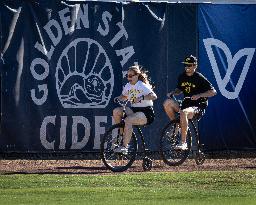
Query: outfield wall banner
x=227, y=57
x=62, y=63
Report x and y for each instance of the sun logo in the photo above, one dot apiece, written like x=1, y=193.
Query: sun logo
x=89, y=83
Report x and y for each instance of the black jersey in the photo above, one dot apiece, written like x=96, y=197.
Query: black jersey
x=193, y=85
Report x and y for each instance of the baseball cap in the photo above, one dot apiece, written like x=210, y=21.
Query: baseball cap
x=190, y=60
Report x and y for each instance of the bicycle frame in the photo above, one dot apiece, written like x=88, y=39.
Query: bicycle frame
x=143, y=143
x=147, y=162
x=195, y=138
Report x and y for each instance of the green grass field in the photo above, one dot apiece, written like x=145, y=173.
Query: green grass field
x=208, y=187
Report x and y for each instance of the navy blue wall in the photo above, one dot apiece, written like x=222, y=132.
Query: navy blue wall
x=64, y=63
x=227, y=57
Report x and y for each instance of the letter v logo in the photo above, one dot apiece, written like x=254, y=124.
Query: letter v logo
x=222, y=83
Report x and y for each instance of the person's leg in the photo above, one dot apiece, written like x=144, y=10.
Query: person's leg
x=171, y=107
x=137, y=118
x=118, y=112
x=185, y=115
x=117, y=115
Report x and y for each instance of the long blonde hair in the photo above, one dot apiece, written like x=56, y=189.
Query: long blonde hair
x=138, y=70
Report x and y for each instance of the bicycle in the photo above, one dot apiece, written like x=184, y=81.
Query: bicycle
x=113, y=138
x=171, y=136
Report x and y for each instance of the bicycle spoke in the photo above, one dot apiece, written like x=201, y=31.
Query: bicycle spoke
x=117, y=161
x=169, y=140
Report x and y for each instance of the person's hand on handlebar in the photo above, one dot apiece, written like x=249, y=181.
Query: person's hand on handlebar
x=170, y=94
x=116, y=99
x=120, y=98
x=195, y=97
x=174, y=92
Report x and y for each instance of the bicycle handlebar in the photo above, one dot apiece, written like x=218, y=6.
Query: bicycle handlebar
x=174, y=98
x=120, y=102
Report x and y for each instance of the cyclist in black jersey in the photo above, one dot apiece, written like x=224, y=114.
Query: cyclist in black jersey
x=196, y=90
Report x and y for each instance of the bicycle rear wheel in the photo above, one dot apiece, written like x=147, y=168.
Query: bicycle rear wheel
x=170, y=137
x=117, y=162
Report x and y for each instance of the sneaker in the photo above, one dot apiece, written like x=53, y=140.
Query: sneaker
x=181, y=146
x=121, y=149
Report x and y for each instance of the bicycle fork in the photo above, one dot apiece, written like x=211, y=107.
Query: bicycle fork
x=147, y=162
x=194, y=137
x=196, y=147
x=143, y=142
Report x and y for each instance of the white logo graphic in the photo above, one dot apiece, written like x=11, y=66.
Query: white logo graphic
x=231, y=62
x=84, y=73
x=88, y=85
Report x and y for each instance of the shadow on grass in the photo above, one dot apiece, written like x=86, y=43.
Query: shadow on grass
x=63, y=170
x=69, y=170
x=252, y=167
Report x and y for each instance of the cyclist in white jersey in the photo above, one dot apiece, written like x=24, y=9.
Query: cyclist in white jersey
x=141, y=95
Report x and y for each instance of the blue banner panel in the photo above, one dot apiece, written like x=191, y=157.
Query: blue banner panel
x=227, y=57
x=65, y=62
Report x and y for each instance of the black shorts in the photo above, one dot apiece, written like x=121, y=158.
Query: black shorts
x=148, y=111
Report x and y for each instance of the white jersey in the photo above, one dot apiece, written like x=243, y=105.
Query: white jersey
x=137, y=90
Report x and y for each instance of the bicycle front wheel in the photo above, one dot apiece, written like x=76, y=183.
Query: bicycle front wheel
x=113, y=138
x=170, y=137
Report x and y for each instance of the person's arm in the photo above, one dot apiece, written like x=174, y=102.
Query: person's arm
x=207, y=94
x=177, y=91
x=207, y=90
x=147, y=93
x=150, y=96
x=121, y=98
